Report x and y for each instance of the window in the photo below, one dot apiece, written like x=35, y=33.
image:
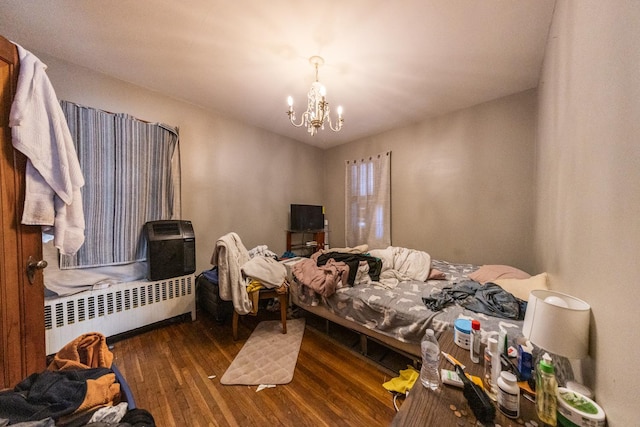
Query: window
x=368, y=201
x=131, y=172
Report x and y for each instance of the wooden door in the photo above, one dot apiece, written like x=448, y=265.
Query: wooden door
x=22, y=342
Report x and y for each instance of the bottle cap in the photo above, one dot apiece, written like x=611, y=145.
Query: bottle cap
x=463, y=325
x=429, y=332
x=475, y=325
x=492, y=344
x=508, y=377
x=546, y=365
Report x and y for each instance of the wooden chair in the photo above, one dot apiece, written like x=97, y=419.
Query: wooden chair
x=283, y=298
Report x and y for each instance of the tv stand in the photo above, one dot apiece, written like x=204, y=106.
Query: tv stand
x=298, y=241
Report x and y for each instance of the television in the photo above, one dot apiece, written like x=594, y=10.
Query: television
x=307, y=218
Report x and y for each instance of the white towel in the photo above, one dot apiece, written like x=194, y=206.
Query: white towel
x=53, y=174
x=229, y=255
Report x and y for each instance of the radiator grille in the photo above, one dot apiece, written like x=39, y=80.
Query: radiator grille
x=71, y=313
x=110, y=303
x=81, y=310
x=59, y=315
x=100, y=305
x=92, y=307
x=47, y=317
x=87, y=308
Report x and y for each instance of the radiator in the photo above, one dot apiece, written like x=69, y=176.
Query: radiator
x=119, y=308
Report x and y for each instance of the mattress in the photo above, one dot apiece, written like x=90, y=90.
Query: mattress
x=400, y=313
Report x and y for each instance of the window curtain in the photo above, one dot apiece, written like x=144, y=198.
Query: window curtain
x=131, y=176
x=368, y=201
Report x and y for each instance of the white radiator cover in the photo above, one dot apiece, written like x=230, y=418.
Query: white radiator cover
x=117, y=309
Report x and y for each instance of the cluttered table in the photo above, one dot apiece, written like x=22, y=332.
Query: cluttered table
x=448, y=406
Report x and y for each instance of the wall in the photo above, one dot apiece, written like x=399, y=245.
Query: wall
x=234, y=177
x=588, y=177
x=461, y=184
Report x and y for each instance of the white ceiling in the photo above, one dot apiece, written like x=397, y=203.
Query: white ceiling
x=388, y=63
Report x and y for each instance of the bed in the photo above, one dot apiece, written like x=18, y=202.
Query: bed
x=110, y=300
x=397, y=315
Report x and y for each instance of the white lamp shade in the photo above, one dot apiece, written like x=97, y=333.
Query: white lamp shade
x=558, y=323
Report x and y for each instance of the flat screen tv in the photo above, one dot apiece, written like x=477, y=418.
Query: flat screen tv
x=307, y=218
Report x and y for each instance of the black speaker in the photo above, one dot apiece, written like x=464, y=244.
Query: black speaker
x=171, y=249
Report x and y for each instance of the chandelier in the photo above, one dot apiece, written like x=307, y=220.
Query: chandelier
x=317, y=107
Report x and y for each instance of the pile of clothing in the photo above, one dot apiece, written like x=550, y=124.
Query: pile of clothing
x=78, y=388
x=242, y=273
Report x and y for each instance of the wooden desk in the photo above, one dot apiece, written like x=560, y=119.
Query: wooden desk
x=424, y=407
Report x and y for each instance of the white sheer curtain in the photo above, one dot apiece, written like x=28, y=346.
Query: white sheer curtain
x=368, y=201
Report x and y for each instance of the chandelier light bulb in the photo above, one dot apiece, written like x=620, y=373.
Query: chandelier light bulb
x=290, y=101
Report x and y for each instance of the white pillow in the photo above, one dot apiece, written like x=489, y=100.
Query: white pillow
x=520, y=288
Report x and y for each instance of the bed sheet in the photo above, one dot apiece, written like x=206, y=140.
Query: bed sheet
x=400, y=313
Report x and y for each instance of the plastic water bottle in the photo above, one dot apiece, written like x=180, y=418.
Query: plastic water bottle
x=430, y=370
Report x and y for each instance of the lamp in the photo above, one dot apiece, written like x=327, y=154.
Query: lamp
x=558, y=323
x=317, y=107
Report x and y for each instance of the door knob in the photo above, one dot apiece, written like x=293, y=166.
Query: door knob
x=32, y=266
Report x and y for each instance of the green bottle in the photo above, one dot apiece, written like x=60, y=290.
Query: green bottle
x=546, y=391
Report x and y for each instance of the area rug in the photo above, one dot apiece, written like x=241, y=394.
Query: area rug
x=268, y=356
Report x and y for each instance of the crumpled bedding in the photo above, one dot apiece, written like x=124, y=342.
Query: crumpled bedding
x=399, y=312
x=325, y=279
x=324, y=271
x=489, y=298
x=402, y=264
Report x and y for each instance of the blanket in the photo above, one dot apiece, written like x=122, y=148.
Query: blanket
x=401, y=265
x=489, y=299
x=229, y=254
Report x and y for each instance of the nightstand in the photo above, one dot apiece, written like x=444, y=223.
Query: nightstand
x=448, y=406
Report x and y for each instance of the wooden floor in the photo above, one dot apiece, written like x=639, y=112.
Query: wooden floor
x=168, y=370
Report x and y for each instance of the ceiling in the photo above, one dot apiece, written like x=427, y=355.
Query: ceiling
x=387, y=63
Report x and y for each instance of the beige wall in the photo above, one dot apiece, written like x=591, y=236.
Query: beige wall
x=234, y=177
x=462, y=185
x=588, y=169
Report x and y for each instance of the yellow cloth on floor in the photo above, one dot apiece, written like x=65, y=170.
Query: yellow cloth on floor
x=404, y=382
x=253, y=289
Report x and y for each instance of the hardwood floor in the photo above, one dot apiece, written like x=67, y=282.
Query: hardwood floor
x=168, y=371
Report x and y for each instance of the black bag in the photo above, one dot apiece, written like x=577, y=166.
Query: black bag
x=208, y=297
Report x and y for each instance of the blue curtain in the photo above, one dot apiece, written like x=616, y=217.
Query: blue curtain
x=130, y=178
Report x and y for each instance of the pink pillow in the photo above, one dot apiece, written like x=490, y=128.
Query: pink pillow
x=489, y=273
